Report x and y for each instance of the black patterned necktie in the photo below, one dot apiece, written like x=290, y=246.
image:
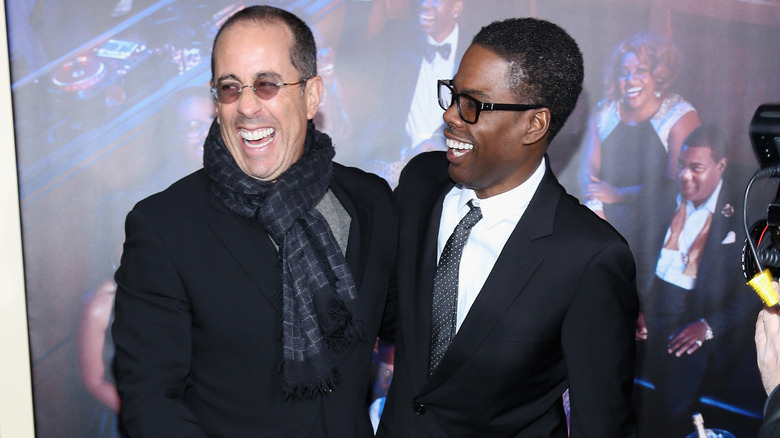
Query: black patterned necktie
x=445, y=287
x=443, y=50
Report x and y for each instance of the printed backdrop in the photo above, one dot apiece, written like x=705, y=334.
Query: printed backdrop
x=111, y=102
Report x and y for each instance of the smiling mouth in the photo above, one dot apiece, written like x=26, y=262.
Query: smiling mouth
x=634, y=91
x=459, y=148
x=257, y=138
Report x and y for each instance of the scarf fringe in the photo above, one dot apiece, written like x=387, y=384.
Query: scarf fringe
x=296, y=391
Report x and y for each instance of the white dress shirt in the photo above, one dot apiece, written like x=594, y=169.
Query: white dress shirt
x=671, y=263
x=500, y=215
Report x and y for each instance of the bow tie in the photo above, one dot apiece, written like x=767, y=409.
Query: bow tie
x=443, y=50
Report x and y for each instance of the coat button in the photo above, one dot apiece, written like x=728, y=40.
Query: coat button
x=419, y=408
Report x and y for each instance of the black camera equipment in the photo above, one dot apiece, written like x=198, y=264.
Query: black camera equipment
x=761, y=253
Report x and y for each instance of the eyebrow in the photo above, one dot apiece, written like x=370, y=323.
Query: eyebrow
x=472, y=92
x=259, y=75
x=691, y=164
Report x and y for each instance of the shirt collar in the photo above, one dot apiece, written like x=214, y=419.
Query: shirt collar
x=510, y=204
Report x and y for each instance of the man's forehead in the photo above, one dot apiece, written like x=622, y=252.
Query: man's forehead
x=242, y=38
x=697, y=153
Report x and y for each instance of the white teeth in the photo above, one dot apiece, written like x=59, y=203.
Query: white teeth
x=633, y=91
x=458, y=147
x=256, y=135
x=259, y=134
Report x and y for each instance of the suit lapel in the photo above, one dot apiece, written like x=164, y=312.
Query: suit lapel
x=514, y=267
x=516, y=264
x=713, y=258
x=256, y=254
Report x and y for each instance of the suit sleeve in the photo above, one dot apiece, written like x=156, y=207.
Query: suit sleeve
x=732, y=315
x=152, y=334
x=599, y=346
x=731, y=303
x=771, y=425
x=390, y=315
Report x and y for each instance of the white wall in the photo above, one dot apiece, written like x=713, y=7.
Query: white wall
x=16, y=408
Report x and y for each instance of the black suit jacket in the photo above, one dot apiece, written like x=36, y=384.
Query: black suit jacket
x=771, y=426
x=198, y=317
x=557, y=311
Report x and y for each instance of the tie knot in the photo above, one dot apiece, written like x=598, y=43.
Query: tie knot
x=473, y=216
x=443, y=51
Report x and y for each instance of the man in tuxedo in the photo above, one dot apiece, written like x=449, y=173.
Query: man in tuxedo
x=697, y=310
x=411, y=56
x=440, y=48
x=250, y=292
x=767, y=337
x=542, y=297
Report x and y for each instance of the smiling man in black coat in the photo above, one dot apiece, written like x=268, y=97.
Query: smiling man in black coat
x=250, y=292
x=544, y=293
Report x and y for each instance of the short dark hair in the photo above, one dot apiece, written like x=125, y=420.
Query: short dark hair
x=546, y=64
x=708, y=136
x=303, y=51
x=664, y=59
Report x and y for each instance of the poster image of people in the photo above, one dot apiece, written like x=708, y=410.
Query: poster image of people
x=112, y=103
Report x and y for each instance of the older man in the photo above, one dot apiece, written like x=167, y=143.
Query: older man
x=510, y=291
x=250, y=292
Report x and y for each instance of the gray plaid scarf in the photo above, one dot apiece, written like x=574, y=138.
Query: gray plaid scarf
x=318, y=291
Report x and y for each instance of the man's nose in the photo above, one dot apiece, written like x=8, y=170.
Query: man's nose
x=248, y=101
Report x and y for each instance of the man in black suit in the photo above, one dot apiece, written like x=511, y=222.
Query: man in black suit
x=544, y=297
x=697, y=310
x=767, y=338
x=250, y=292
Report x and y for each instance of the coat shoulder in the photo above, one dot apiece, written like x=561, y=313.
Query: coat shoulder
x=583, y=225
x=183, y=196
x=360, y=184
x=425, y=169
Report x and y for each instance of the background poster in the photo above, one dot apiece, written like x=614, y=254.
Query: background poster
x=111, y=102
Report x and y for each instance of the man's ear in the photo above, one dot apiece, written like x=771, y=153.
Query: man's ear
x=722, y=164
x=313, y=94
x=457, y=9
x=216, y=102
x=538, y=125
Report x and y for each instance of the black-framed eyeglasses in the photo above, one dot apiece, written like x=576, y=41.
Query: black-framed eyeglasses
x=468, y=107
x=227, y=92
